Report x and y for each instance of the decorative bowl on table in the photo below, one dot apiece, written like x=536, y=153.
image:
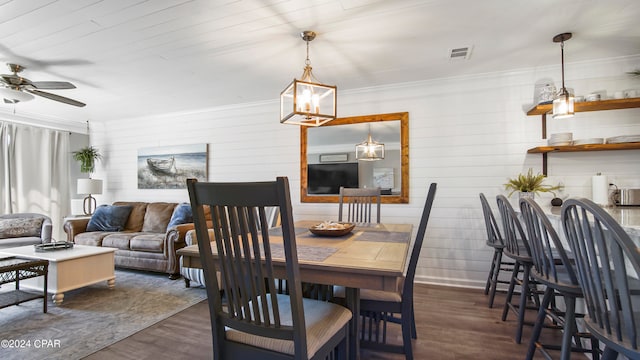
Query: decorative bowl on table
x=55, y=245
x=330, y=228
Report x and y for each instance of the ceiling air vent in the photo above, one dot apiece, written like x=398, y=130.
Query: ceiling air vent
x=460, y=53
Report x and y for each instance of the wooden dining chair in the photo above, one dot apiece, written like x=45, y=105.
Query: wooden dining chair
x=359, y=204
x=517, y=248
x=498, y=262
x=554, y=269
x=256, y=322
x=378, y=308
x=607, y=261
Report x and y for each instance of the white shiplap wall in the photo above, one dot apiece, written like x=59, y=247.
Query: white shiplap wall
x=468, y=134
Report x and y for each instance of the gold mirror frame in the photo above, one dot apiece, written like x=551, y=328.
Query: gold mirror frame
x=402, y=198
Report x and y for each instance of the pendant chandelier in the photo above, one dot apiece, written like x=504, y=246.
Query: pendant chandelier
x=563, y=103
x=306, y=101
x=369, y=150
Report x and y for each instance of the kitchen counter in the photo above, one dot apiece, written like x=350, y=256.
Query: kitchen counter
x=627, y=216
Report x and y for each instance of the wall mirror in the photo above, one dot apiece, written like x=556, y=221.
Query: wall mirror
x=327, y=158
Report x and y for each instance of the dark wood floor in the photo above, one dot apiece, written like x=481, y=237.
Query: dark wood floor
x=452, y=323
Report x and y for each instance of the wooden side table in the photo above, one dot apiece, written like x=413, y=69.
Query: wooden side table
x=14, y=269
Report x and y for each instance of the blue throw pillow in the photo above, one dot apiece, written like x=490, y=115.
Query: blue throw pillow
x=109, y=218
x=181, y=215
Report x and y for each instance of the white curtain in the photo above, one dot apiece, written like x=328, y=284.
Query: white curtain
x=35, y=172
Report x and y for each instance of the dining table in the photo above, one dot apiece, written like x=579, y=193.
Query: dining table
x=372, y=256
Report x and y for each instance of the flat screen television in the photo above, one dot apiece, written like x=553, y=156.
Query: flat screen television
x=327, y=178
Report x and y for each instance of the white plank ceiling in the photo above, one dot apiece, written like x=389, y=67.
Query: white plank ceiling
x=132, y=58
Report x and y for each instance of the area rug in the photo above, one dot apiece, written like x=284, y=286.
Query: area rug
x=92, y=318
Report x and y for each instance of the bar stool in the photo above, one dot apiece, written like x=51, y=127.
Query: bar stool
x=498, y=262
x=607, y=261
x=517, y=248
x=553, y=268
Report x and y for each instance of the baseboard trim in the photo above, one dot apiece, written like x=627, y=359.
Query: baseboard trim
x=462, y=283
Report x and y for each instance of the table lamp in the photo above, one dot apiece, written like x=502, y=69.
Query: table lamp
x=89, y=187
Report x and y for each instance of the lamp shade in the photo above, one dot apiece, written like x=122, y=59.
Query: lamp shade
x=563, y=106
x=15, y=95
x=89, y=186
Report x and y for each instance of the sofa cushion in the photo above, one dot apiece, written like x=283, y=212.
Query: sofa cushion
x=181, y=215
x=148, y=243
x=119, y=240
x=136, y=218
x=93, y=238
x=109, y=218
x=20, y=227
x=157, y=217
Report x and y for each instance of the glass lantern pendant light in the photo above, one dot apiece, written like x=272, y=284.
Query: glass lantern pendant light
x=306, y=101
x=563, y=103
x=369, y=150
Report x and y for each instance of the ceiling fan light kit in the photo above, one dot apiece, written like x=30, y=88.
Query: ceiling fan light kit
x=16, y=88
x=564, y=102
x=12, y=96
x=307, y=102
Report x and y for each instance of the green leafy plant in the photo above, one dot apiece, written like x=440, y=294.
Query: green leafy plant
x=87, y=157
x=530, y=183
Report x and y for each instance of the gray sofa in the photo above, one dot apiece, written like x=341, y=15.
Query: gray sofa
x=145, y=242
x=23, y=229
x=196, y=276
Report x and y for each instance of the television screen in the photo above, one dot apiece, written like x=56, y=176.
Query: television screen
x=327, y=178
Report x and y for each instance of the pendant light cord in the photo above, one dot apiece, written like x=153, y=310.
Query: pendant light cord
x=562, y=62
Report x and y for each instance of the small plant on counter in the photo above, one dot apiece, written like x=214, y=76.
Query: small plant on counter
x=530, y=183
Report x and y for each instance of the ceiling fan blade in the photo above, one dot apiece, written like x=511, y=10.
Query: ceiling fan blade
x=52, y=85
x=56, y=98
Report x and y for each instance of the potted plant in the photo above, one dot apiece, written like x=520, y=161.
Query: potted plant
x=529, y=184
x=87, y=157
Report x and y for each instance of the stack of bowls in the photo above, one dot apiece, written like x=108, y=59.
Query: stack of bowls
x=560, y=139
x=589, y=141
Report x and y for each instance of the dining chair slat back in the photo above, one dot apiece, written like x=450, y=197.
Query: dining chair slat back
x=550, y=260
x=359, y=204
x=516, y=244
x=607, y=261
x=255, y=321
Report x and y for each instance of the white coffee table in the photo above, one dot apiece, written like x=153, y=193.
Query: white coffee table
x=69, y=269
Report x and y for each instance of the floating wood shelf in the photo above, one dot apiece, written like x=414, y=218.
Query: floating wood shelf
x=584, y=106
x=613, y=104
x=590, y=147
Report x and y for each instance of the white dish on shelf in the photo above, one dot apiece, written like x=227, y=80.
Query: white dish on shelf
x=623, y=139
x=559, y=143
x=588, y=141
x=557, y=136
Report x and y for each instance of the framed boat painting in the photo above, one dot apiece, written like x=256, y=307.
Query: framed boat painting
x=169, y=167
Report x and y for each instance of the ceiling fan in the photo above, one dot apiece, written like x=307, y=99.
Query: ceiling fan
x=15, y=88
